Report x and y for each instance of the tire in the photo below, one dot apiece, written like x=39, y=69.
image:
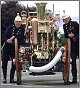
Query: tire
x=18, y=63
x=66, y=67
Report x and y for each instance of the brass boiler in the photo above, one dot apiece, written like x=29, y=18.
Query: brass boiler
x=40, y=16
x=41, y=29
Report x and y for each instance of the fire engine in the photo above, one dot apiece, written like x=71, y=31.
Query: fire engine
x=40, y=55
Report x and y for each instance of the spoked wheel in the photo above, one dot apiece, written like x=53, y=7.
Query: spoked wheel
x=18, y=63
x=67, y=64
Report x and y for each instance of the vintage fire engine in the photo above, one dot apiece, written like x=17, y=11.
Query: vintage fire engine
x=40, y=55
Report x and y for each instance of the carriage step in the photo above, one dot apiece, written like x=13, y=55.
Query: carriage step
x=42, y=73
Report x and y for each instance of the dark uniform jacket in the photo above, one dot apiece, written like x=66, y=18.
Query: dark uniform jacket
x=17, y=32
x=73, y=27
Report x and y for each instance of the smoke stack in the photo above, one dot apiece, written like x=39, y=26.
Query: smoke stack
x=41, y=12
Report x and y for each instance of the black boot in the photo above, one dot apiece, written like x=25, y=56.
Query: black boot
x=4, y=69
x=4, y=81
x=12, y=81
x=12, y=72
x=74, y=82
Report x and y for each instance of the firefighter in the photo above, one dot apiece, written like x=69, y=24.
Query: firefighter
x=16, y=30
x=71, y=31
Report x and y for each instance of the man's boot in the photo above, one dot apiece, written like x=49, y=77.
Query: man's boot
x=12, y=72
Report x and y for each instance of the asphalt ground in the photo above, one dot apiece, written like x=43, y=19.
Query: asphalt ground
x=46, y=81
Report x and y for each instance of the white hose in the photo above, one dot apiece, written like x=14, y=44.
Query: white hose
x=49, y=65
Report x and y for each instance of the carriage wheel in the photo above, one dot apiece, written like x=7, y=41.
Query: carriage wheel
x=66, y=67
x=18, y=63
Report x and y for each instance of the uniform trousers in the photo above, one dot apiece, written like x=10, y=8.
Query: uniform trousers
x=74, y=56
x=8, y=54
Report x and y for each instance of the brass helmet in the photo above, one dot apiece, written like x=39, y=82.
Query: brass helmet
x=17, y=18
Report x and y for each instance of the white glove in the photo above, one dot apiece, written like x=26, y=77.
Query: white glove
x=71, y=35
x=10, y=40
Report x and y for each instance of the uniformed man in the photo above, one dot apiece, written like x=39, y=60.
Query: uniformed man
x=13, y=31
x=71, y=31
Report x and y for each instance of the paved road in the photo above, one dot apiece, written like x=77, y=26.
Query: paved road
x=46, y=81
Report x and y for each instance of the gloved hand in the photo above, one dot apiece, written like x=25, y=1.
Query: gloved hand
x=71, y=35
x=10, y=40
